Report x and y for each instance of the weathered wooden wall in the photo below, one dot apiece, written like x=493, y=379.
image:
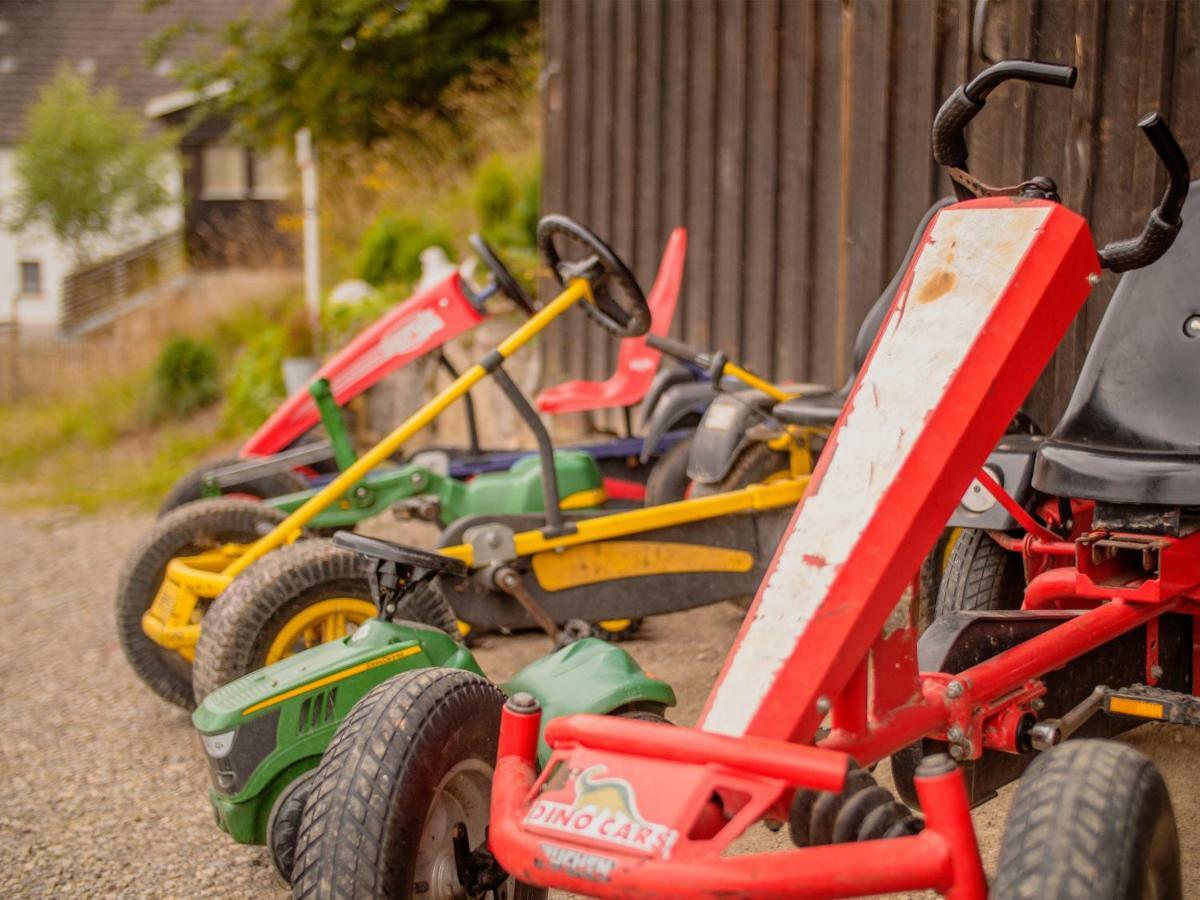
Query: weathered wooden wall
x=792, y=139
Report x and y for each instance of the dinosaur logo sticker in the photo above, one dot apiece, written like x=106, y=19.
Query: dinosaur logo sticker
x=605, y=810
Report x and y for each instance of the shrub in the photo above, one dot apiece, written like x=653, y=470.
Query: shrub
x=184, y=378
x=529, y=207
x=495, y=192
x=391, y=249
x=257, y=386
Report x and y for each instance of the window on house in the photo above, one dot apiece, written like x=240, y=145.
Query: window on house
x=271, y=169
x=223, y=172
x=31, y=277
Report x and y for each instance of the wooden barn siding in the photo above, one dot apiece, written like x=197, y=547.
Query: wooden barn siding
x=792, y=139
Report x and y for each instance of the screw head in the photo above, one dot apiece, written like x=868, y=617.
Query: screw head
x=954, y=690
x=1038, y=704
x=955, y=734
x=1191, y=327
x=415, y=478
x=1156, y=671
x=522, y=702
x=823, y=704
x=360, y=491
x=1093, y=279
x=958, y=751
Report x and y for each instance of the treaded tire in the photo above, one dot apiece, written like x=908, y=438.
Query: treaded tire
x=283, y=825
x=191, y=486
x=755, y=464
x=377, y=781
x=1091, y=819
x=238, y=630
x=190, y=529
x=980, y=575
x=668, y=480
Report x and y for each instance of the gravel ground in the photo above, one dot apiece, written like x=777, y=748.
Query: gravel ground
x=104, y=784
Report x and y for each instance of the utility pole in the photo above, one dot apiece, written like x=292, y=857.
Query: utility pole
x=306, y=159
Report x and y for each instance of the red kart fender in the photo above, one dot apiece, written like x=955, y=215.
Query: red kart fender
x=410, y=330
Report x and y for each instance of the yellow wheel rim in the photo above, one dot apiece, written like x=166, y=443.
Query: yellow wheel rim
x=955, y=534
x=320, y=623
x=464, y=628
x=615, y=625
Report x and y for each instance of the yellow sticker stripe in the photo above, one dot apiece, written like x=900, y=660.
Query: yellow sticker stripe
x=609, y=560
x=1143, y=709
x=331, y=679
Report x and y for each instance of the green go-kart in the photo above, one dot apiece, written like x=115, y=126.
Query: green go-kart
x=265, y=733
x=423, y=487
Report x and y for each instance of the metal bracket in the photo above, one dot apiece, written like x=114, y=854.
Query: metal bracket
x=491, y=543
x=239, y=473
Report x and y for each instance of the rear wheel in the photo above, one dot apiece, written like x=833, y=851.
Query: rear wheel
x=755, y=464
x=295, y=598
x=1090, y=819
x=412, y=761
x=980, y=575
x=189, y=530
x=668, y=480
x=191, y=486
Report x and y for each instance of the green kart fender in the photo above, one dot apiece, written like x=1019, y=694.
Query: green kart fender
x=513, y=492
x=266, y=729
x=588, y=676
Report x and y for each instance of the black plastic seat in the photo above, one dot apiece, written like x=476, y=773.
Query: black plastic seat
x=1131, y=433
x=824, y=408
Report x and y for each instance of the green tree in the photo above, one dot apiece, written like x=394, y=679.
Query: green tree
x=85, y=165
x=358, y=71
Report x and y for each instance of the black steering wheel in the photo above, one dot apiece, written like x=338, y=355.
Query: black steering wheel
x=505, y=280
x=608, y=276
x=374, y=548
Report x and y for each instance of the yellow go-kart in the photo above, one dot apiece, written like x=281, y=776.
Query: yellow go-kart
x=320, y=593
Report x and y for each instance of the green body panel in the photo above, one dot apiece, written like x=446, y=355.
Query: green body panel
x=286, y=739
x=519, y=490
x=273, y=746
x=588, y=676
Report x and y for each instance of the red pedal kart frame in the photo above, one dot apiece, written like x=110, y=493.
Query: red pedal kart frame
x=638, y=809
x=430, y=319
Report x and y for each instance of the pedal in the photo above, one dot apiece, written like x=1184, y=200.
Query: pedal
x=1154, y=704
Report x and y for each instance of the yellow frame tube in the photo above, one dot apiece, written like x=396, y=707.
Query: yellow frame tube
x=577, y=290
x=637, y=521
x=759, y=384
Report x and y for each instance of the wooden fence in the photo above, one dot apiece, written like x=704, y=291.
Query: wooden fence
x=792, y=139
x=94, y=295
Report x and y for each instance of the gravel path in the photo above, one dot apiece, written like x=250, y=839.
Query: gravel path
x=105, y=786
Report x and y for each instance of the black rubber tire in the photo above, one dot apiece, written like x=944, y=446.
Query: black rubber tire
x=191, y=486
x=980, y=575
x=756, y=463
x=1090, y=819
x=377, y=779
x=283, y=825
x=188, y=530
x=930, y=581
x=668, y=480
x=239, y=629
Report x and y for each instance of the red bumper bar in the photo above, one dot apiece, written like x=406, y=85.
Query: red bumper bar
x=944, y=857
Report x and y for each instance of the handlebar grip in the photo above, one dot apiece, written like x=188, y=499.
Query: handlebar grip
x=1030, y=70
x=949, y=125
x=1164, y=222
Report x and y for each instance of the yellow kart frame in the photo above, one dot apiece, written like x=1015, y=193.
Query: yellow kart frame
x=173, y=619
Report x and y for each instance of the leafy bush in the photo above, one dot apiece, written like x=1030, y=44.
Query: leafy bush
x=495, y=192
x=391, y=248
x=184, y=378
x=257, y=386
x=529, y=207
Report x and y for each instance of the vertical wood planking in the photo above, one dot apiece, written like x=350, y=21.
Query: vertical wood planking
x=729, y=253
x=762, y=183
x=724, y=117
x=701, y=19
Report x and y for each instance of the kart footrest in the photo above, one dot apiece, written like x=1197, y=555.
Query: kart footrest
x=1154, y=704
x=241, y=472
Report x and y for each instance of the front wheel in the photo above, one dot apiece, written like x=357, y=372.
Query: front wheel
x=294, y=598
x=191, y=486
x=412, y=761
x=187, y=531
x=1090, y=819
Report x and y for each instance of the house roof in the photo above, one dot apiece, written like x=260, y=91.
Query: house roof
x=107, y=39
